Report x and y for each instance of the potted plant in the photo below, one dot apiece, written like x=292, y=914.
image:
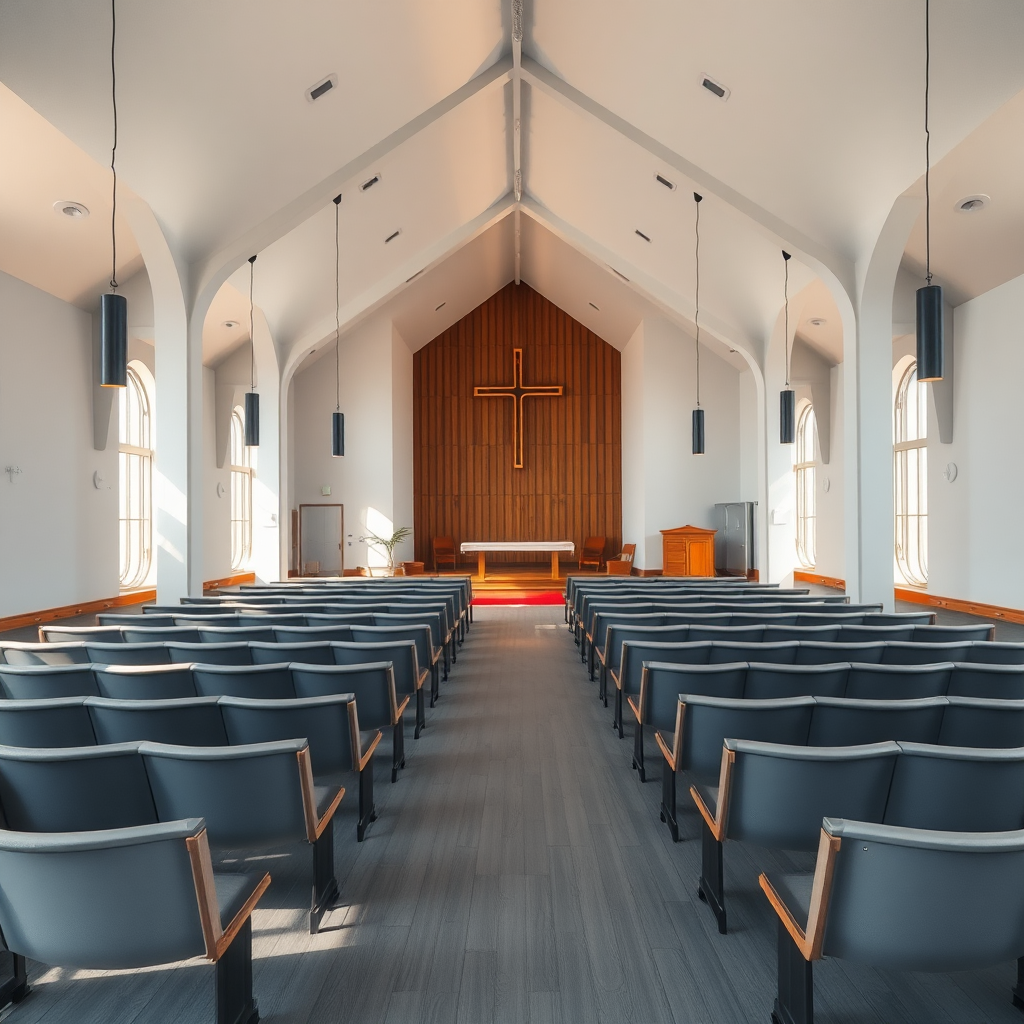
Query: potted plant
x=388, y=544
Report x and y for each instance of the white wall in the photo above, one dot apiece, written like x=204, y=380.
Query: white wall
x=831, y=538
x=375, y=476
x=975, y=548
x=58, y=533
x=216, y=507
x=678, y=488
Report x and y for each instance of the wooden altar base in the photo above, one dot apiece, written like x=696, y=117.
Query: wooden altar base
x=509, y=580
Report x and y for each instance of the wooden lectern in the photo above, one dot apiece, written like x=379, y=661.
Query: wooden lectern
x=688, y=551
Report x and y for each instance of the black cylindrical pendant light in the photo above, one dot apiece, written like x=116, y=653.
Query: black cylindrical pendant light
x=930, y=361
x=252, y=400
x=337, y=417
x=697, y=419
x=787, y=397
x=113, y=340
x=113, y=307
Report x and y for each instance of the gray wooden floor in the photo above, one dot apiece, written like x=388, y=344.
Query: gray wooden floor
x=518, y=873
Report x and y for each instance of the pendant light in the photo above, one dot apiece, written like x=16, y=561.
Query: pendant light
x=252, y=399
x=787, y=397
x=337, y=417
x=697, y=424
x=929, y=298
x=113, y=307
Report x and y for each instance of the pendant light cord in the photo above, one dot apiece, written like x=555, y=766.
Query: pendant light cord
x=113, y=151
x=337, y=299
x=696, y=295
x=927, y=145
x=785, y=256
x=252, y=337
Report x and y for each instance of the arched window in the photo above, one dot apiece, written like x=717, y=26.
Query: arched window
x=805, y=479
x=910, y=474
x=241, y=492
x=135, y=483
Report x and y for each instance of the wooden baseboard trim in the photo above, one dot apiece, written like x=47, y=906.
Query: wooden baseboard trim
x=954, y=604
x=69, y=610
x=231, y=581
x=822, y=581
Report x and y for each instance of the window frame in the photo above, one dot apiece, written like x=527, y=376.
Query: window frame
x=242, y=472
x=805, y=480
x=135, y=481
x=910, y=475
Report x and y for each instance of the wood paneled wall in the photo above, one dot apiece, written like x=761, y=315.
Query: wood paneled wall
x=465, y=485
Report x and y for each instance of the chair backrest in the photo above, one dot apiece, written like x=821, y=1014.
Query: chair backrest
x=61, y=722
x=195, y=721
x=155, y=633
x=766, y=681
x=154, y=653
x=779, y=793
x=145, y=682
x=42, y=682
x=976, y=722
x=661, y=683
x=248, y=794
x=969, y=679
x=264, y=682
x=321, y=632
x=119, y=898
x=232, y=653
x=992, y=652
x=310, y=652
x=401, y=654
x=783, y=652
x=593, y=550
x=907, y=899
x=897, y=682
x=19, y=653
x=813, y=652
x=957, y=789
x=903, y=652
x=444, y=550
x=74, y=789
x=372, y=684
x=839, y=722
x=329, y=724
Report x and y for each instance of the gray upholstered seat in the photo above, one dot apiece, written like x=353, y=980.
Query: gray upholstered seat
x=195, y=721
x=129, y=898
x=776, y=795
x=251, y=796
x=263, y=682
x=331, y=726
x=145, y=682
x=41, y=682
x=898, y=898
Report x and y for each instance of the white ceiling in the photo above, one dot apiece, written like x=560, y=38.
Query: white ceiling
x=822, y=131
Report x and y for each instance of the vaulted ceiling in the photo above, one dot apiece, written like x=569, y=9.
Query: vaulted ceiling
x=820, y=133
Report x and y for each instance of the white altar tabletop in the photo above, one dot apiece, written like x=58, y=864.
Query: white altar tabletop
x=469, y=547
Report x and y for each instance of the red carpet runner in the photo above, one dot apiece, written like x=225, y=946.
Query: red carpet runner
x=546, y=597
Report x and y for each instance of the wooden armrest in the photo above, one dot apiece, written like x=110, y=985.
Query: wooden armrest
x=615, y=679
x=401, y=708
x=634, y=707
x=422, y=678
x=716, y=821
x=368, y=753
x=314, y=825
x=668, y=753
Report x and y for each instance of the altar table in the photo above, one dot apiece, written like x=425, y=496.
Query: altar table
x=483, y=547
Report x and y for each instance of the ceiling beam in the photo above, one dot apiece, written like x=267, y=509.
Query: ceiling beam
x=810, y=252
x=209, y=274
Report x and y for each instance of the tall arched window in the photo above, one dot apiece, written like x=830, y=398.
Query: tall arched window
x=241, y=493
x=135, y=484
x=803, y=468
x=910, y=474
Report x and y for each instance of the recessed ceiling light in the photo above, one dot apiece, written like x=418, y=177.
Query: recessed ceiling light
x=392, y=236
x=646, y=238
x=436, y=308
x=969, y=204
x=230, y=324
x=715, y=88
x=598, y=308
x=321, y=88
x=76, y=211
x=817, y=321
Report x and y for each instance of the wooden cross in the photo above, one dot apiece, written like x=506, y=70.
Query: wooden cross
x=517, y=391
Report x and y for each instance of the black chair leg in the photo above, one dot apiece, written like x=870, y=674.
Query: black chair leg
x=668, y=801
x=235, y=1004
x=367, y=811
x=15, y=988
x=617, y=721
x=325, y=884
x=638, y=752
x=795, y=1002
x=433, y=684
x=421, y=720
x=602, y=689
x=1018, y=989
x=397, y=749
x=712, y=875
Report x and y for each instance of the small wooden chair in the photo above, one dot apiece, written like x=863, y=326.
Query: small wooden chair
x=592, y=553
x=623, y=565
x=444, y=552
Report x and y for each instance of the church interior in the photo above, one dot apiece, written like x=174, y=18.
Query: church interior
x=569, y=433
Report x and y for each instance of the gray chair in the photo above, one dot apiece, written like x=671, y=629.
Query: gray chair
x=194, y=722
x=814, y=652
x=233, y=653
x=427, y=657
x=409, y=678
x=129, y=898
x=337, y=745
x=309, y=652
x=968, y=679
x=145, y=682
x=251, y=796
x=901, y=652
x=769, y=682
x=373, y=685
x=841, y=722
x=898, y=898
x=897, y=682
x=44, y=682
x=973, y=722
x=21, y=653
x=775, y=795
x=262, y=682
x=154, y=653
x=61, y=722
x=994, y=652
x=781, y=652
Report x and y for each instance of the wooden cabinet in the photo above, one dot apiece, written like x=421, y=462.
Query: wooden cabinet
x=688, y=551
